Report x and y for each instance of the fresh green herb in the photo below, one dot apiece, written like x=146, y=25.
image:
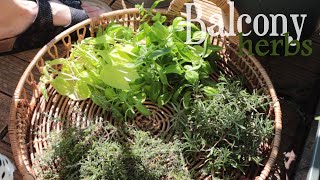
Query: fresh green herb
x=119, y=69
x=226, y=125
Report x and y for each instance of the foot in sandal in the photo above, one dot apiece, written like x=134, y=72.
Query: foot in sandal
x=26, y=24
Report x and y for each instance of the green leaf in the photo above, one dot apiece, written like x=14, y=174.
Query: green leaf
x=86, y=55
x=119, y=32
x=140, y=97
x=143, y=109
x=61, y=85
x=186, y=53
x=174, y=68
x=122, y=96
x=110, y=93
x=212, y=48
x=210, y=91
x=76, y=90
x=121, y=55
x=158, y=53
x=160, y=31
x=186, y=99
x=158, y=17
x=198, y=50
x=86, y=77
x=215, y=48
x=183, y=24
x=163, y=77
x=81, y=91
x=199, y=35
x=241, y=126
x=164, y=99
x=188, y=67
x=118, y=76
x=44, y=91
x=100, y=40
x=57, y=62
x=155, y=91
x=178, y=92
x=206, y=69
x=176, y=21
x=155, y=4
x=192, y=76
x=206, y=44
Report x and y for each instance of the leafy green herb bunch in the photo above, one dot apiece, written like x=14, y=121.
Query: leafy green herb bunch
x=120, y=69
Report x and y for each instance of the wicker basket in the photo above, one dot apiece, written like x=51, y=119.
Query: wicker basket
x=31, y=117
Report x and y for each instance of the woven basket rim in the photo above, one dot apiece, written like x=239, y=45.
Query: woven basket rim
x=20, y=157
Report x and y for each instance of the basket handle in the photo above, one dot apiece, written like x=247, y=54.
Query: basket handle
x=176, y=7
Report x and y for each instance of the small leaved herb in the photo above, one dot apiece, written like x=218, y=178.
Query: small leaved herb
x=226, y=126
x=106, y=152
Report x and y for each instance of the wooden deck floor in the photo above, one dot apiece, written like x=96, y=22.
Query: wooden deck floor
x=11, y=69
x=295, y=79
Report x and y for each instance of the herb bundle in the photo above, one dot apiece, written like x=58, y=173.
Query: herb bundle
x=108, y=152
x=227, y=128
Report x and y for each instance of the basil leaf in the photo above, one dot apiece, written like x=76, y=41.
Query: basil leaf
x=174, y=68
x=158, y=53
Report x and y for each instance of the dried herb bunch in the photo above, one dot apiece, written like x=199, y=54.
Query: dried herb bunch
x=107, y=152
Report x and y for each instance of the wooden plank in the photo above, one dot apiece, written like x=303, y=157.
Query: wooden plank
x=118, y=4
x=5, y=102
x=5, y=149
x=11, y=69
x=27, y=55
x=6, y=139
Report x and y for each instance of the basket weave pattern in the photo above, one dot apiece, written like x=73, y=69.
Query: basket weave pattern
x=32, y=117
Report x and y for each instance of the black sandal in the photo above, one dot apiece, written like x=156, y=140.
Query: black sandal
x=72, y=3
x=42, y=30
